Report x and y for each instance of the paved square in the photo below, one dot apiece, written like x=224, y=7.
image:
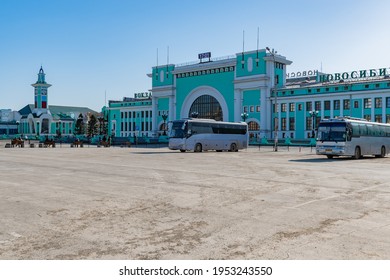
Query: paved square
x=153, y=203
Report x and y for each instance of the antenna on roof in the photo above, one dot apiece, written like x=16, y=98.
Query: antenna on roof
x=157, y=66
x=167, y=59
x=257, y=51
x=243, y=48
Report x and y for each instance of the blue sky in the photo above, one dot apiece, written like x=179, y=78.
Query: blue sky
x=89, y=47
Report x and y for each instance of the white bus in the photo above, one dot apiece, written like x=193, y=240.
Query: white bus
x=347, y=136
x=205, y=134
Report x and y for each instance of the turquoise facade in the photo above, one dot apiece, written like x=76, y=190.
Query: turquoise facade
x=252, y=85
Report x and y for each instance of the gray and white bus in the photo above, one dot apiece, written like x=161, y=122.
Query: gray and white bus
x=206, y=134
x=347, y=136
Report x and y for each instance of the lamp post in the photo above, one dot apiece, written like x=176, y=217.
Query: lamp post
x=164, y=117
x=276, y=120
x=244, y=116
x=17, y=127
x=59, y=132
x=313, y=115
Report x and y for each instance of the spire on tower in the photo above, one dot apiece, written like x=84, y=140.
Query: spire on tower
x=41, y=77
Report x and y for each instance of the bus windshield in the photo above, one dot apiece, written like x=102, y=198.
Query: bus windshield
x=332, y=132
x=178, y=129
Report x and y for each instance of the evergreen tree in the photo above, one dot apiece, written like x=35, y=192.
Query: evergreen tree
x=79, y=126
x=93, y=126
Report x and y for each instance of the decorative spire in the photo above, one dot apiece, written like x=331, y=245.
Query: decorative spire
x=41, y=76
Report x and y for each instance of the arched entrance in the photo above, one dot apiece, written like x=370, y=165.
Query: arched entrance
x=207, y=102
x=207, y=107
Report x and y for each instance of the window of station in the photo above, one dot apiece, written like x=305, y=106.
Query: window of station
x=207, y=107
x=292, y=107
x=251, y=109
x=327, y=105
x=378, y=118
x=367, y=117
x=378, y=102
x=356, y=104
x=367, y=103
x=309, y=106
x=299, y=107
x=309, y=122
x=387, y=102
x=283, y=120
x=292, y=123
x=283, y=107
x=336, y=104
x=317, y=105
x=257, y=108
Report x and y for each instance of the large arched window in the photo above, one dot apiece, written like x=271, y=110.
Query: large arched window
x=207, y=107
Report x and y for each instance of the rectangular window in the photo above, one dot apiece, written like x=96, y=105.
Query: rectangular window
x=245, y=109
x=292, y=123
x=292, y=107
x=309, y=123
x=146, y=114
x=347, y=104
x=252, y=109
x=367, y=103
x=387, y=102
x=356, y=104
x=283, y=123
x=309, y=106
x=327, y=105
x=367, y=117
x=318, y=105
x=378, y=102
x=257, y=108
x=387, y=118
x=378, y=118
x=336, y=105
x=299, y=107
x=283, y=107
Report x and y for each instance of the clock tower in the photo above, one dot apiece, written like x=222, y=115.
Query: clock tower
x=40, y=93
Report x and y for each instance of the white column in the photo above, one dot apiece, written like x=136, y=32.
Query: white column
x=383, y=109
x=171, y=109
x=237, y=105
x=154, y=115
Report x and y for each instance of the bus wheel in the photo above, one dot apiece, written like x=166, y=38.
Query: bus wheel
x=198, y=148
x=383, y=152
x=329, y=156
x=183, y=151
x=233, y=147
x=358, y=153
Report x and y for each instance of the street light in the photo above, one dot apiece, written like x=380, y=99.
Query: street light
x=164, y=117
x=276, y=120
x=313, y=115
x=244, y=116
x=59, y=132
x=17, y=127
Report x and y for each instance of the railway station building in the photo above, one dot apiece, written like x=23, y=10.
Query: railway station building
x=255, y=87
